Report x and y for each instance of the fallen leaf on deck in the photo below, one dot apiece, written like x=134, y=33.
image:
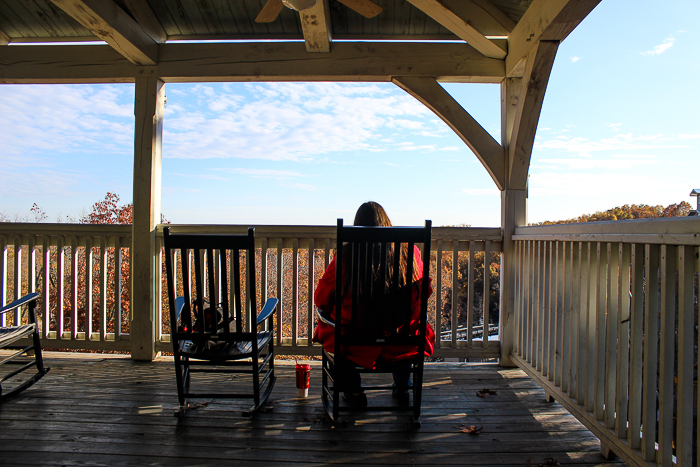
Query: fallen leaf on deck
x=486, y=391
x=198, y=406
x=471, y=430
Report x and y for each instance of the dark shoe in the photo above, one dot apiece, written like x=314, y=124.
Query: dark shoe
x=355, y=400
x=401, y=396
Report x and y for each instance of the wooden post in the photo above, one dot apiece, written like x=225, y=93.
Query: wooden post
x=148, y=110
x=513, y=214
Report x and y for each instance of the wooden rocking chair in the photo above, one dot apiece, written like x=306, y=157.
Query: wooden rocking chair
x=381, y=315
x=9, y=335
x=207, y=328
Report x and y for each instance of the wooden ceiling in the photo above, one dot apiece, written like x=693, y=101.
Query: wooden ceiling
x=44, y=20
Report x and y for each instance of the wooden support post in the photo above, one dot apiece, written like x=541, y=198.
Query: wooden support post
x=513, y=214
x=148, y=110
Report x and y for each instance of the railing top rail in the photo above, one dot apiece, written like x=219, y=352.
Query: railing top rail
x=323, y=231
x=45, y=229
x=676, y=231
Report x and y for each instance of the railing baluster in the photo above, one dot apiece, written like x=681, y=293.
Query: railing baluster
x=600, y=358
x=611, y=325
x=454, y=312
x=117, y=289
x=686, y=328
x=550, y=312
x=584, y=261
x=88, y=288
x=60, y=286
x=438, y=294
x=539, y=327
x=574, y=303
x=104, y=264
x=74, y=287
x=623, y=341
x=263, y=274
x=487, y=294
x=3, y=276
x=17, y=288
x=667, y=336
x=310, y=318
x=46, y=285
x=471, y=279
x=636, y=339
x=590, y=336
x=651, y=339
x=560, y=324
x=295, y=291
x=280, y=291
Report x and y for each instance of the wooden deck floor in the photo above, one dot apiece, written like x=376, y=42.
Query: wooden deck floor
x=111, y=411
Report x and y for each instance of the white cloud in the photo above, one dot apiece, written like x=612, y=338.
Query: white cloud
x=661, y=48
x=575, y=59
x=687, y=136
x=291, y=121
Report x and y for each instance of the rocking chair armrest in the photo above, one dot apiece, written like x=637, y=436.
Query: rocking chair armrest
x=268, y=309
x=323, y=318
x=19, y=302
x=179, y=305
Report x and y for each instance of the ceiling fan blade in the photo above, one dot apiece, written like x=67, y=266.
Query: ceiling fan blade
x=366, y=8
x=270, y=11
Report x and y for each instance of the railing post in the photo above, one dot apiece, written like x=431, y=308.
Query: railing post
x=513, y=214
x=148, y=111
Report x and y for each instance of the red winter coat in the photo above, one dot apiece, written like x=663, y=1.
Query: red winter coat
x=366, y=355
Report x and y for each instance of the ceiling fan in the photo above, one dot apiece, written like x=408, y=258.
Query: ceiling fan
x=272, y=8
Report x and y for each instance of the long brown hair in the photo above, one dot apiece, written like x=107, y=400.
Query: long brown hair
x=372, y=214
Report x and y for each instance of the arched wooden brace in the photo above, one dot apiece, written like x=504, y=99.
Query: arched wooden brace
x=432, y=95
x=527, y=113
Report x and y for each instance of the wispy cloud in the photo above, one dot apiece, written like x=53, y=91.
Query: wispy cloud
x=302, y=186
x=289, y=121
x=661, y=48
x=575, y=59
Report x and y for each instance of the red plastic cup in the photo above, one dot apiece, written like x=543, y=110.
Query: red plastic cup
x=303, y=373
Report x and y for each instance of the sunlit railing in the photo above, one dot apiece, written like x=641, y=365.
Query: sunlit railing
x=606, y=321
x=53, y=260
x=81, y=273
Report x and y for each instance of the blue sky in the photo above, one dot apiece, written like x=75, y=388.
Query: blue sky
x=619, y=125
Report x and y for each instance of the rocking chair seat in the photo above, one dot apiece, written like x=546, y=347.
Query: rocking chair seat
x=224, y=351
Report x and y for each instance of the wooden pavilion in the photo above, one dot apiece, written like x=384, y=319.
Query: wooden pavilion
x=415, y=44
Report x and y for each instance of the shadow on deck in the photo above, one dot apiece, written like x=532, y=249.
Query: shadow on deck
x=97, y=410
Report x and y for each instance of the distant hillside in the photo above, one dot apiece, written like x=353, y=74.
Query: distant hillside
x=634, y=211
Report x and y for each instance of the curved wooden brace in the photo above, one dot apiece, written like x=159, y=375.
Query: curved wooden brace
x=432, y=95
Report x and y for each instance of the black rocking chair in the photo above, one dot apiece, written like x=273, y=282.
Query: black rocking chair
x=9, y=335
x=207, y=329
x=381, y=310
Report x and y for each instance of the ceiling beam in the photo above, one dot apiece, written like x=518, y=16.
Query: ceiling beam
x=464, y=18
x=550, y=20
x=436, y=98
x=316, y=25
x=527, y=114
x=106, y=20
x=206, y=62
x=4, y=38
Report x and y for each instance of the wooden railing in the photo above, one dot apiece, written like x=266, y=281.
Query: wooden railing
x=606, y=321
x=53, y=259
x=46, y=249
